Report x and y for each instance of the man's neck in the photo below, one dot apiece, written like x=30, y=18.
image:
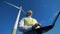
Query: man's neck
x=29, y=17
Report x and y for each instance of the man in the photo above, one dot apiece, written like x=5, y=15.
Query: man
x=26, y=27
x=28, y=23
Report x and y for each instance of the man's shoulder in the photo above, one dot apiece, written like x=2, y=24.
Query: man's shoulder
x=23, y=18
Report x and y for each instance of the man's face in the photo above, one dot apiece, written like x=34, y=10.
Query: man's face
x=29, y=13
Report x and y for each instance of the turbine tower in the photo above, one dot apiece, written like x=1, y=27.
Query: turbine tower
x=16, y=22
x=17, y=19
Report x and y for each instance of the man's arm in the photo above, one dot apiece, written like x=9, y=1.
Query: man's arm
x=24, y=28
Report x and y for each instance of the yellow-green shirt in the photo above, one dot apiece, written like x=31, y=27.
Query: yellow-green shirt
x=27, y=23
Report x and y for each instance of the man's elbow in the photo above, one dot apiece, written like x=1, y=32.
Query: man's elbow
x=22, y=29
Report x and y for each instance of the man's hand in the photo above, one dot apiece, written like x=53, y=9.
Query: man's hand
x=34, y=26
x=37, y=24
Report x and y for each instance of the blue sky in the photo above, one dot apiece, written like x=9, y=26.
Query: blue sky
x=43, y=10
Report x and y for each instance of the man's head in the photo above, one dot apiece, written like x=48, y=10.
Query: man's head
x=29, y=13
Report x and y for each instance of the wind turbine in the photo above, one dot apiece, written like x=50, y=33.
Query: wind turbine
x=17, y=19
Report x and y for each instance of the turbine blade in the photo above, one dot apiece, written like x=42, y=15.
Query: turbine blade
x=12, y=5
